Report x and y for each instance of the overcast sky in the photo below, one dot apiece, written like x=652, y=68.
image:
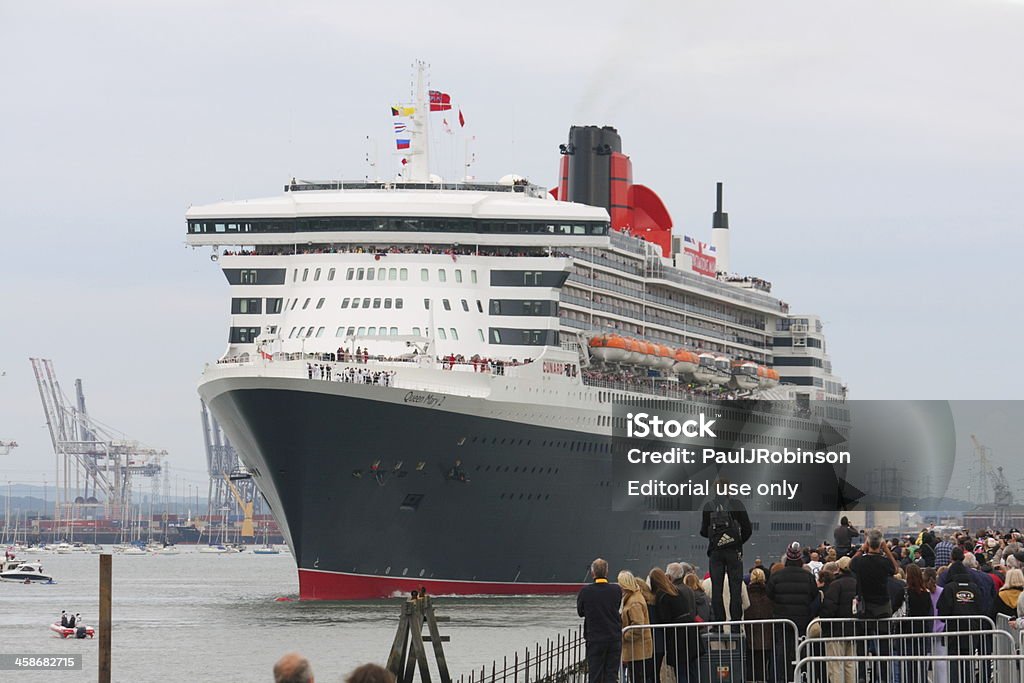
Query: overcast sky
x=872, y=154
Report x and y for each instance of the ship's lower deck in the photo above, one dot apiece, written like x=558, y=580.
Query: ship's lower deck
x=380, y=492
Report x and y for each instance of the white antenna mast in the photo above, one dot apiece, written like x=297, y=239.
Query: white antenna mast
x=419, y=152
x=371, y=158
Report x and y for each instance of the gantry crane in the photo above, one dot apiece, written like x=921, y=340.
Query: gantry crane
x=1002, y=494
x=95, y=467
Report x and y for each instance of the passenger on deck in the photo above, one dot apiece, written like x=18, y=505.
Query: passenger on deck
x=64, y=618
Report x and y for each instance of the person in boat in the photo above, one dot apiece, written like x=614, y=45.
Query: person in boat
x=63, y=618
x=71, y=622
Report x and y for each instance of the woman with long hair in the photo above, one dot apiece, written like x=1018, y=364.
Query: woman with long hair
x=940, y=668
x=638, y=643
x=919, y=604
x=1009, y=594
x=673, y=604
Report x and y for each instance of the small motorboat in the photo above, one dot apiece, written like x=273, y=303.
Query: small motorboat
x=134, y=550
x=76, y=632
x=26, y=572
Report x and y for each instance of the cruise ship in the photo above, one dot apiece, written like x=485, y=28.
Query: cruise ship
x=420, y=374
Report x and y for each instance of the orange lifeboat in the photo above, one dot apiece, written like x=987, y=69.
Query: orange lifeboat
x=684, y=362
x=637, y=351
x=649, y=353
x=767, y=377
x=664, y=358
x=610, y=348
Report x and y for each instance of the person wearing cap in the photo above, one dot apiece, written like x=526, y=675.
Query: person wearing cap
x=838, y=604
x=792, y=590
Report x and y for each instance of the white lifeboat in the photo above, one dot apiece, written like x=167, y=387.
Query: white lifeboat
x=664, y=358
x=767, y=377
x=744, y=376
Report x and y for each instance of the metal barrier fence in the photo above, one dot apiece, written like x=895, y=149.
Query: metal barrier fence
x=719, y=651
x=558, y=660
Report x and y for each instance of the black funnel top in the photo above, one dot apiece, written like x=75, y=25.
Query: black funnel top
x=589, y=150
x=719, y=219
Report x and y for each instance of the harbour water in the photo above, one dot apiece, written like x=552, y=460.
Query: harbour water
x=202, y=617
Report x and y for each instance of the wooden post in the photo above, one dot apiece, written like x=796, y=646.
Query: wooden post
x=104, y=646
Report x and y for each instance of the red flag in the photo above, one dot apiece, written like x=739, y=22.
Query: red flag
x=462, y=119
x=440, y=101
x=265, y=355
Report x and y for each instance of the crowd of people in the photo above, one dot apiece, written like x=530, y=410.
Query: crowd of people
x=380, y=250
x=932, y=585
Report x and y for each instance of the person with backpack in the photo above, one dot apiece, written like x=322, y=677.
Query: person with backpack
x=726, y=525
x=961, y=597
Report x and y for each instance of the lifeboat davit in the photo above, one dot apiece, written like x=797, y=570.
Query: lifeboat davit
x=685, y=362
x=767, y=377
x=745, y=376
x=610, y=348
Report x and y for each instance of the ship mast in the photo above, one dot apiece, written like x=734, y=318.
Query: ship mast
x=418, y=168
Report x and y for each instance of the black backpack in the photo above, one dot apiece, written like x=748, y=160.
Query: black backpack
x=966, y=598
x=724, y=530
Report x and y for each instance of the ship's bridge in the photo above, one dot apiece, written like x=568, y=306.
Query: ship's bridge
x=358, y=212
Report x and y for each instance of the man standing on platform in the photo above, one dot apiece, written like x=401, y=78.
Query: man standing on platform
x=598, y=604
x=726, y=525
x=843, y=536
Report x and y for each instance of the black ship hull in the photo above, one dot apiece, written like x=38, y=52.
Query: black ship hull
x=380, y=490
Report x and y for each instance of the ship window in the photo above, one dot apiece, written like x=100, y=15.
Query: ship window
x=320, y=304
x=472, y=276
x=330, y=274
x=479, y=306
x=294, y=301
x=351, y=331
x=411, y=502
x=370, y=272
x=359, y=274
x=454, y=333
x=305, y=274
x=394, y=330
x=424, y=275
x=392, y=273
x=340, y=332
x=305, y=303
x=447, y=304
x=416, y=331
x=301, y=330
x=376, y=303
x=361, y=332
x=495, y=336
x=274, y=305
x=442, y=276
x=345, y=302
x=426, y=304
x=458, y=275
x=309, y=332
x=292, y=333
x=350, y=273
x=480, y=333
x=355, y=303
x=398, y=303
x=316, y=275
x=387, y=303
x=465, y=306
x=441, y=333
x=380, y=273
x=372, y=332
x=366, y=302
x=403, y=274
x=295, y=274
x=319, y=332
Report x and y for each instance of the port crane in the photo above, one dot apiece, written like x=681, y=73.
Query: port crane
x=95, y=465
x=989, y=475
x=248, y=530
